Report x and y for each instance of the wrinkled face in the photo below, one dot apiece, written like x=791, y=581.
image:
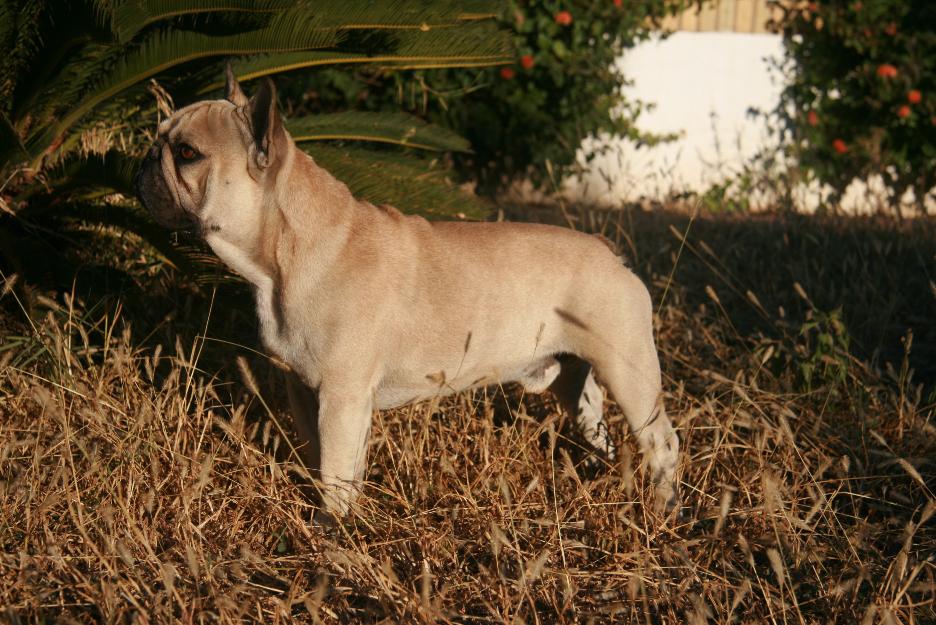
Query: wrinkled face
x=200, y=155
x=211, y=162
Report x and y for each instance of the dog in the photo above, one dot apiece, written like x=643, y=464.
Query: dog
x=373, y=309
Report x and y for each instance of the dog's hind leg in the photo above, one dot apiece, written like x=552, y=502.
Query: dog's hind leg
x=614, y=332
x=582, y=399
x=634, y=380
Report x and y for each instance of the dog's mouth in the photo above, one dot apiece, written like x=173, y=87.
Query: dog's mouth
x=157, y=199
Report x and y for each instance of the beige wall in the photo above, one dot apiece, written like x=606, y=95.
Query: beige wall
x=739, y=16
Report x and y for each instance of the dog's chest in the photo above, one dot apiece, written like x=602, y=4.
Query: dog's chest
x=274, y=332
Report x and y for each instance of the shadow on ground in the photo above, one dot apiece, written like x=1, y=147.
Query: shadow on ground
x=139, y=471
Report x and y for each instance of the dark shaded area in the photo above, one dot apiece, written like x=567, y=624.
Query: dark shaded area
x=880, y=272
x=835, y=447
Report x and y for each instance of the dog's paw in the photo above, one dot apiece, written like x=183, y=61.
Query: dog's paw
x=666, y=501
x=325, y=521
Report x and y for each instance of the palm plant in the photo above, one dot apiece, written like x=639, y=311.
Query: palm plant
x=82, y=84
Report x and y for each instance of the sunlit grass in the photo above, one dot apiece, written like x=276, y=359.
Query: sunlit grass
x=144, y=481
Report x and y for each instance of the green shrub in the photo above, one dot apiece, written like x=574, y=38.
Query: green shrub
x=861, y=99
x=562, y=87
x=77, y=105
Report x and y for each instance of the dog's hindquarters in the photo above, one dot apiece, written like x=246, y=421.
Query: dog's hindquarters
x=581, y=398
x=616, y=338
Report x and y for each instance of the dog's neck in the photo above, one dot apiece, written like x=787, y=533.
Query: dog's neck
x=307, y=204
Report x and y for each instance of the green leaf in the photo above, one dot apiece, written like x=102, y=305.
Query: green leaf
x=397, y=128
x=131, y=16
x=410, y=184
x=287, y=31
x=90, y=175
x=132, y=220
x=560, y=49
x=10, y=145
x=470, y=45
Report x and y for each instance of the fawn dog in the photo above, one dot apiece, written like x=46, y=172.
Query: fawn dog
x=373, y=309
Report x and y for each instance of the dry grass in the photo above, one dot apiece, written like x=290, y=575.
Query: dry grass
x=142, y=481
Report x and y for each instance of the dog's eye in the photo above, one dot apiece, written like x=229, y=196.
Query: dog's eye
x=187, y=152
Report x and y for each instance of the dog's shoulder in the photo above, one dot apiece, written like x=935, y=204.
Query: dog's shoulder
x=390, y=211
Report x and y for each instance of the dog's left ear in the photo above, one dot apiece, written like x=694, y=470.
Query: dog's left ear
x=265, y=122
x=232, y=89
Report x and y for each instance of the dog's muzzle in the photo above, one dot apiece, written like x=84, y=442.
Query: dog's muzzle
x=153, y=192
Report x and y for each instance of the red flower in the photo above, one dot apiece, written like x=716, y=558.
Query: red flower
x=618, y=3
x=886, y=70
x=840, y=146
x=527, y=61
x=563, y=18
x=813, y=6
x=507, y=73
x=903, y=111
x=813, y=118
x=891, y=29
x=914, y=96
x=857, y=6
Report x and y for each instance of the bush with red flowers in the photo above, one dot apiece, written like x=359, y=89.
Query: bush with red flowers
x=861, y=96
x=563, y=86
x=563, y=18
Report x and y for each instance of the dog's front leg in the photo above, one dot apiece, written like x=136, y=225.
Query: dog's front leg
x=344, y=423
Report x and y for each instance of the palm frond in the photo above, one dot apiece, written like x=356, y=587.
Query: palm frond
x=476, y=40
x=131, y=219
x=78, y=178
x=72, y=38
x=10, y=144
x=112, y=172
x=290, y=30
x=410, y=184
x=403, y=14
x=474, y=45
x=129, y=17
x=19, y=41
x=397, y=128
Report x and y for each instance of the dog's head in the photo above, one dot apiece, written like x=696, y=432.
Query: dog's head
x=214, y=161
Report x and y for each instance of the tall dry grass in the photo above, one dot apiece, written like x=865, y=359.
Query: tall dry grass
x=145, y=477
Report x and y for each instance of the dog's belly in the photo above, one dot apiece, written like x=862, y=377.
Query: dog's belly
x=402, y=387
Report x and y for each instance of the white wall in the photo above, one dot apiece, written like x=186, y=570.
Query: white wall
x=703, y=85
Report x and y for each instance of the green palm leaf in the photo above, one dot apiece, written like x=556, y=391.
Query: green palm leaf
x=132, y=219
x=78, y=178
x=397, y=128
x=10, y=143
x=73, y=74
x=129, y=17
x=287, y=31
x=410, y=184
x=427, y=53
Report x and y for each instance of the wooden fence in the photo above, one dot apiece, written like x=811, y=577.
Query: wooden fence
x=739, y=16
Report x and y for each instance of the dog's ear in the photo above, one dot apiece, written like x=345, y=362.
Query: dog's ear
x=232, y=89
x=265, y=122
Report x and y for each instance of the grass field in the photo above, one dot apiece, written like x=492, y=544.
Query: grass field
x=145, y=476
